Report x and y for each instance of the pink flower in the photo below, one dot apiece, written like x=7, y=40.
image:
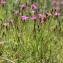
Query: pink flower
x=57, y=14
x=40, y=15
x=33, y=17
x=34, y=6
x=43, y=18
x=24, y=18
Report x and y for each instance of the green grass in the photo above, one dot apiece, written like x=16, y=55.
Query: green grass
x=19, y=44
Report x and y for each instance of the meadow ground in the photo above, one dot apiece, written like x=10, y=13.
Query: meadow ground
x=21, y=43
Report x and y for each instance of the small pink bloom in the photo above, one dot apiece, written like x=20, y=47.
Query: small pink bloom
x=24, y=18
x=33, y=17
x=43, y=19
x=34, y=6
x=40, y=15
x=57, y=14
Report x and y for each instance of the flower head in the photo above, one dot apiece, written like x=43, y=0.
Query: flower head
x=34, y=17
x=57, y=14
x=40, y=15
x=24, y=18
x=34, y=6
x=43, y=18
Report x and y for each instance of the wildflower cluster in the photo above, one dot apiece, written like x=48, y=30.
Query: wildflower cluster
x=36, y=14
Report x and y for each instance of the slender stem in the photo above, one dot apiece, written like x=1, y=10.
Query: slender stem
x=34, y=29
x=41, y=51
x=59, y=24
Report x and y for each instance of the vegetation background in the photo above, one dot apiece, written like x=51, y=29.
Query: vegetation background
x=18, y=43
